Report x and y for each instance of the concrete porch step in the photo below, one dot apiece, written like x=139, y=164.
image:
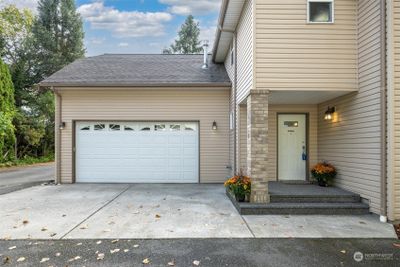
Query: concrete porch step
x=353, y=198
x=303, y=208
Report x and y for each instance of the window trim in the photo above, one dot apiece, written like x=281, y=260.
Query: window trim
x=321, y=1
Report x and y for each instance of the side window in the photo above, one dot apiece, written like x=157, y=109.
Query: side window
x=320, y=11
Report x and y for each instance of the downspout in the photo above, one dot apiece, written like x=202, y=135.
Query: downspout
x=383, y=208
x=58, y=135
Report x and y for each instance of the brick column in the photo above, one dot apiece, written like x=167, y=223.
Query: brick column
x=257, y=145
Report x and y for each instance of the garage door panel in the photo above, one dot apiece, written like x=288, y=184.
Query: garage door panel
x=164, y=152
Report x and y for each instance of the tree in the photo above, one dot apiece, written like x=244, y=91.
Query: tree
x=188, y=39
x=58, y=32
x=7, y=113
x=15, y=30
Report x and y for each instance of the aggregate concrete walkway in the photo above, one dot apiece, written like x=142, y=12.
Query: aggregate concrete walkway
x=202, y=252
x=88, y=211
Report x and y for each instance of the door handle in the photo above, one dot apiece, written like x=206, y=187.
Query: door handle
x=303, y=154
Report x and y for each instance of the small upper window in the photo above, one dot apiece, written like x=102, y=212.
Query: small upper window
x=85, y=128
x=145, y=128
x=99, y=127
x=320, y=11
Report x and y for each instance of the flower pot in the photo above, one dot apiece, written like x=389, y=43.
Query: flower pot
x=322, y=183
x=240, y=198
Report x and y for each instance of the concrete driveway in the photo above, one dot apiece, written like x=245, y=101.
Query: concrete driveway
x=89, y=211
x=16, y=178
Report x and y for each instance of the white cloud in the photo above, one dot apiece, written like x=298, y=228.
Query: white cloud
x=124, y=23
x=208, y=33
x=123, y=44
x=194, y=7
x=97, y=41
x=29, y=4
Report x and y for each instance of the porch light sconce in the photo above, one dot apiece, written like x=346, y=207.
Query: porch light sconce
x=214, y=126
x=329, y=113
x=61, y=126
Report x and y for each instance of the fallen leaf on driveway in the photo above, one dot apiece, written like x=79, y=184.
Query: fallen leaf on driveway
x=197, y=263
x=106, y=230
x=136, y=246
x=171, y=263
x=21, y=259
x=79, y=244
x=44, y=260
x=64, y=215
x=53, y=234
x=343, y=251
x=111, y=223
x=98, y=242
x=126, y=250
x=58, y=254
x=114, y=241
x=100, y=256
x=13, y=247
x=146, y=261
x=158, y=216
x=114, y=250
x=43, y=229
x=397, y=245
x=24, y=222
x=85, y=226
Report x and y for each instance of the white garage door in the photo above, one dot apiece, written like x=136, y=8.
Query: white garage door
x=137, y=152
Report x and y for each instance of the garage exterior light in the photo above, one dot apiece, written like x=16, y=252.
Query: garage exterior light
x=62, y=126
x=214, y=126
x=329, y=113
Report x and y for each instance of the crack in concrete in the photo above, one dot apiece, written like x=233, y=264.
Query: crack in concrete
x=248, y=226
x=96, y=211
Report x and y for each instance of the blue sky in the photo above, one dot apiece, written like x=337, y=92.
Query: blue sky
x=137, y=26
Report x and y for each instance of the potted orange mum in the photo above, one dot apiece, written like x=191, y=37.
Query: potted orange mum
x=324, y=173
x=240, y=186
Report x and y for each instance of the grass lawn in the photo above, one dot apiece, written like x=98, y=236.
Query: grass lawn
x=27, y=161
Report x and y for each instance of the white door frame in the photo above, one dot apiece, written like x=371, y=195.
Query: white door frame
x=74, y=122
x=307, y=115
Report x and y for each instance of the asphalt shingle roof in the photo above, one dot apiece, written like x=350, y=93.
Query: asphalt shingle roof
x=139, y=70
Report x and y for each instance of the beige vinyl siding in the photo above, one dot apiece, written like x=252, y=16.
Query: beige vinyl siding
x=352, y=140
x=396, y=18
x=292, y=54
x=245, y=52
x=312, y=111
x=230, y=69
x=393, y=10
x=194, y=104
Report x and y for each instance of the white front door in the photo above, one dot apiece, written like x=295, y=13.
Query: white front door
x=137, y=152
x=292, y=147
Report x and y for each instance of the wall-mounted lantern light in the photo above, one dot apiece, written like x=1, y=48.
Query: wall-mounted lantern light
x=214, y=126
x=61, y=126
x=329, y=113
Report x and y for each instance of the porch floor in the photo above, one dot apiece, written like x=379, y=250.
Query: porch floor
x=284, y=189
